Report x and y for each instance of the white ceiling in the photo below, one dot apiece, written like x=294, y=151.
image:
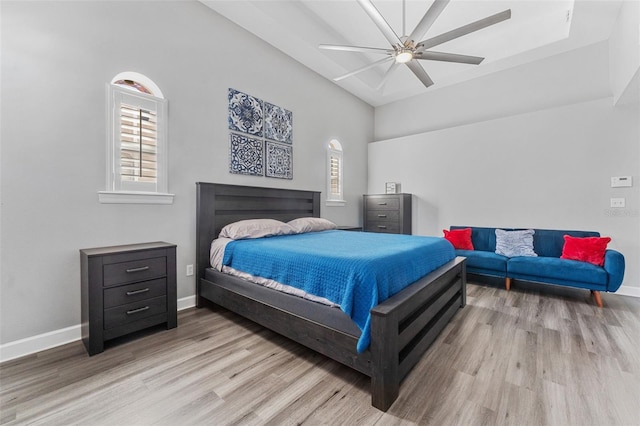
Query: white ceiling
x=537, y=28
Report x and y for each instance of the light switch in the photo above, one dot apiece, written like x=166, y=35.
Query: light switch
x=621, y=181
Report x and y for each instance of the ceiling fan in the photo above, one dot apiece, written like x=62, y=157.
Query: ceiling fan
x=408, y=50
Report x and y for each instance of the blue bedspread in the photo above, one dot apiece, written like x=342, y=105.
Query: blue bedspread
x=356, y=270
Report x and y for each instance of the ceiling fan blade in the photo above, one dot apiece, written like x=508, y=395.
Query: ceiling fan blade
x=390, y=71
x=464, y=30
x=380, y=22
x=355, y=48
x=422, y=75
x=427, y=20
x=366, y=67
x=448, y=57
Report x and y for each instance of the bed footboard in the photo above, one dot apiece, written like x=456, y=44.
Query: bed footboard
x=404, y=326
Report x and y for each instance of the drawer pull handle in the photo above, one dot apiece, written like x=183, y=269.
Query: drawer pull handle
x=382, y=204
x=144, y=268
x=142, y=290
x=135, y=311
x=382, y=227
x=382, y=215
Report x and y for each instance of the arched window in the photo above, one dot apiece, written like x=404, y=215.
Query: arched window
x=335, y=179
x=137, y=142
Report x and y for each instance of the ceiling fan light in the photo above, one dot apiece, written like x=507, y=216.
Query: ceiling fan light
x=404, y=56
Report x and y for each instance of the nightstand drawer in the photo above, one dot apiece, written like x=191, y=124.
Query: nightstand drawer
x=134, y=311
x=130, y=293
x=383, y=216
x=391, y=227
x=136, y=270
x=383, y=203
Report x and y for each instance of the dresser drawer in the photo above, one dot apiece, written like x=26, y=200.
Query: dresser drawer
x=383, y=216
x=135, y=270
x=122, y=295
x=134, y=311
x=391, y=227
x=383, y=203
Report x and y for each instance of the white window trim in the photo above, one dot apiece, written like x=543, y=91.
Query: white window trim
x=136, y=193
x=124, y=197
x=333, y=201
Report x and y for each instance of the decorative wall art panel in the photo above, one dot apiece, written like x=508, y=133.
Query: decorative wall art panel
x=246, y=113
x=278, y=123
x=279, y=160
x=246, y=155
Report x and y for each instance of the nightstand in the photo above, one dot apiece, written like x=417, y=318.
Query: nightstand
x=126, y=289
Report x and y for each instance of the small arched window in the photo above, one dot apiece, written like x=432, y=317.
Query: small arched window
x=137, y=142
x=335, y=178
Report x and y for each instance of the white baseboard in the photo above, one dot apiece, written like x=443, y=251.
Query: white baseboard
x=41, y=342
x=51, y=339
x=627, y=290
x=186, y=302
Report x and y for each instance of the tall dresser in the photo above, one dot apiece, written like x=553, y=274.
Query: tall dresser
x=390, y=213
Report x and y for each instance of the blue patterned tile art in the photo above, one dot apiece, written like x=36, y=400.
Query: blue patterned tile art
x=246, y=113
x=279, y=162
x=246, y=155
x=278, y=123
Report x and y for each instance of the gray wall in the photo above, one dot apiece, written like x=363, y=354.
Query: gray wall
x=517, y=153
x=57, y=58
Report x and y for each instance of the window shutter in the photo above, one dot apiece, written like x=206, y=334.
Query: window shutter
x=335, y=176
x=138, y=144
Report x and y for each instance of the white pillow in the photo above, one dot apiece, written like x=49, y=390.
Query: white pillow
x=311, y=224
x=515, y=243
x=255, y=228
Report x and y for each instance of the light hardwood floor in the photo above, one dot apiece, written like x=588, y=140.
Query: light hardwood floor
x=536, y=355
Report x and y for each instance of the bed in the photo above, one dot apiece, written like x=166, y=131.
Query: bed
x=402, y=327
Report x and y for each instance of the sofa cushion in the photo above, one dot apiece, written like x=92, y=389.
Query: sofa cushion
x=515, y=243
x=484, y=260
x=588, y=249
x=459, y=238
x=556, y=269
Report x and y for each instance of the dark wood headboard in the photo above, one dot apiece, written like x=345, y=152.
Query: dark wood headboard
x=218, y=205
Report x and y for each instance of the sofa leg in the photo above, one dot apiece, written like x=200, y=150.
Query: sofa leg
x=507, y=283
x=598, y=297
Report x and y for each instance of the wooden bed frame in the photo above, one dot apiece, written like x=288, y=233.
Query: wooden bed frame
x=402, y=327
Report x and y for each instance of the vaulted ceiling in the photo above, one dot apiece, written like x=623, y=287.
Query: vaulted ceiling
x=537, y=28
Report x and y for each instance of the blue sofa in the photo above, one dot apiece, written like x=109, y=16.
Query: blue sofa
x=547, y=267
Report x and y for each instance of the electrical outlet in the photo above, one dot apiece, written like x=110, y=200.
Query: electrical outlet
x=189, y=270
x=617, y=202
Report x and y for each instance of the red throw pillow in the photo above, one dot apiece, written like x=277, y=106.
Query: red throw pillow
x=460, y=238
x=588, y=249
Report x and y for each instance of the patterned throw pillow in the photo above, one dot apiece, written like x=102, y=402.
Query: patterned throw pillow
x=515, y=243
